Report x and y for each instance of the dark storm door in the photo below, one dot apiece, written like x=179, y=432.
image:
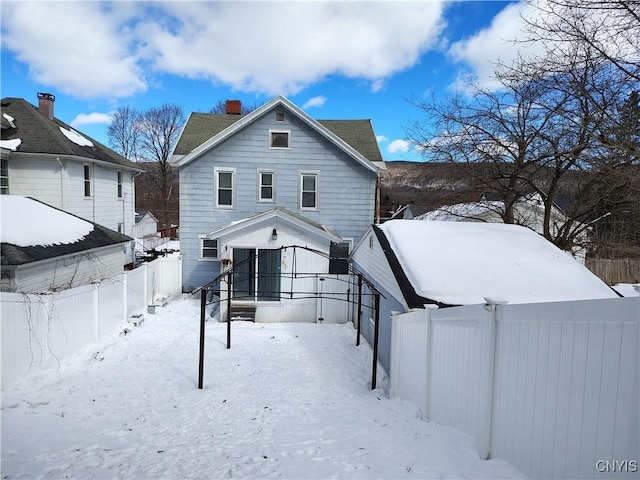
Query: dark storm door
x=244, y=274
x=268, y=275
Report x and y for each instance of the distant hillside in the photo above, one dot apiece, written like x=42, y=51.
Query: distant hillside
x=426, y=186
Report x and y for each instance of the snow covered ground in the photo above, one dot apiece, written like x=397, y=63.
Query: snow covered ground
x=286, y=401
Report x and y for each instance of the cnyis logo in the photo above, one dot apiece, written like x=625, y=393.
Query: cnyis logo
x=617, y=466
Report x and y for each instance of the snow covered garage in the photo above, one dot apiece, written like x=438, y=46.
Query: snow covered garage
x=414, y=263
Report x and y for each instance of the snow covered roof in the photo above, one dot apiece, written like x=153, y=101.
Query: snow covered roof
x=461, y=263
x=32, y=230
x=26, y=130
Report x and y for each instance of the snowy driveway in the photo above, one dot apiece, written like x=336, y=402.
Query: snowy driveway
x=287, y=401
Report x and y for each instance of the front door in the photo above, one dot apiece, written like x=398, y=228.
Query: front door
x=256, y=270
x=243, y=274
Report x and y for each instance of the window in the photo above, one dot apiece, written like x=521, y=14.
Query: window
x=87, y=180
x=338, y=257
x=4, y=177
x=208, y=248
x=225, y=182
x=119, y=184
x=266, y=185
x=308, y=191
x=279, y=117
x=120, y=227
x=279, y=139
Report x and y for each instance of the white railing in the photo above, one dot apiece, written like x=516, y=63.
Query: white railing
x=551, y=388
x=38, y=331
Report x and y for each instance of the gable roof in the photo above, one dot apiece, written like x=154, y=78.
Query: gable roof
x=462, y=263
x=204, y=131
x=40, y=135
x=36, y=214
x=140, y=214
x=279, y=215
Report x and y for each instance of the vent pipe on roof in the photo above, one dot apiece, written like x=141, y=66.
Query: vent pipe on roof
x=45, y=104
x=233, y=107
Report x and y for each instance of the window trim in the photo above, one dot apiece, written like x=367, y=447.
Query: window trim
x=259, y=197
x=4, y=176
x=120, y=181
x=301, y=175
x=87, y=167
x=217, y=171
x=272, y=131
x=201, y=249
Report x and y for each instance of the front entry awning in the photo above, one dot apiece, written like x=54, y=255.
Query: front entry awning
x=271, y=221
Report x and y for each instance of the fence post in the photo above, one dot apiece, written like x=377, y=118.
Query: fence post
x=429, y=307
x=394, y=353
x=492, y=304
x=125, y=300
x=96, y=311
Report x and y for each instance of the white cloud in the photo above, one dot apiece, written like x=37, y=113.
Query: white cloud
x=381, y=138
x=482, y=51
x=398, y=146
x=91, y=119
x=113, y=49
x=318, y=101
x=80, y=48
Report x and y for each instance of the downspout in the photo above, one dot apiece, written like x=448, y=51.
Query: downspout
x=378, y=193
x=63, y=184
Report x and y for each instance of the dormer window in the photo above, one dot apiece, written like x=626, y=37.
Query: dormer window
x=278, y=139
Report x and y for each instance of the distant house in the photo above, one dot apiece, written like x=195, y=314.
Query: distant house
x=528, y=212
x=44, y=249
x=145, y=230
x=463, y=263
x=44, y=158
x=252, y=184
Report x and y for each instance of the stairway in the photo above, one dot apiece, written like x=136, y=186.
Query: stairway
x=241, y=312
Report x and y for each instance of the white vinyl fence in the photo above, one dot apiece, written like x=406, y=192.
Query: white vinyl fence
x=38, y=331
x=552, y=388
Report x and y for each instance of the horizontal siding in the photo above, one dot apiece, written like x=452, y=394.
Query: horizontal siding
x=70, y=271
x=46, y=180
x=37, y=178
x=346, y=189
x=373, y=261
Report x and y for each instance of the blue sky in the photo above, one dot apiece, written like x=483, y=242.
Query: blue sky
x=336, y=59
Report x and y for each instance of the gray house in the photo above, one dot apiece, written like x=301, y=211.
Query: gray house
x=251, y=185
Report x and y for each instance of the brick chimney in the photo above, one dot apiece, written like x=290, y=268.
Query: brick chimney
x=233, y=107
x=45, y=104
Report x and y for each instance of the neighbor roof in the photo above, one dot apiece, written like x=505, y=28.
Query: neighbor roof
x=35, y=217
x=462, y=263
x=39, y=134
x=204, y=130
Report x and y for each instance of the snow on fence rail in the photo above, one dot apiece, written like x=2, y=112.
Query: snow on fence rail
x=551, y=388
x=38, y=331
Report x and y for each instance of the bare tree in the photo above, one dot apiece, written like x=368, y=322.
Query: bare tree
x=610, y=29
x=159, y=131
x=124, y=132
x=545, y=133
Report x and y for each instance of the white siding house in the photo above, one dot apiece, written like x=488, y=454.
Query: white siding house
x=288, y=178
x=46, y=159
